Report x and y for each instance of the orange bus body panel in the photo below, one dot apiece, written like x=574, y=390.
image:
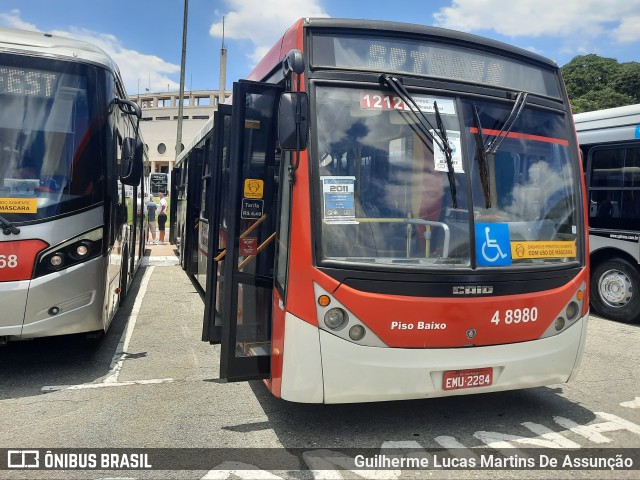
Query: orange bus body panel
x=417, y=322
x=301, y=267
x=292, y=39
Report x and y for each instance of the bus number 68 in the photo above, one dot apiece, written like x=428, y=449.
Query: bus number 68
x=8, y=261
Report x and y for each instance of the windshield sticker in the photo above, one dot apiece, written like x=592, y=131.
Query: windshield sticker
x=456, y=152
x=22, y=186
x=543, y=249
x=18, y=205
x=338, y=200
x=383, y=101
x=492, y=244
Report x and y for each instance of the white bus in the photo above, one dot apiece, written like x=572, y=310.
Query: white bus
x=610, y=144
x=71, y=237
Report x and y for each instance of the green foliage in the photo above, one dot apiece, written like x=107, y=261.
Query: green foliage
x=595, y=82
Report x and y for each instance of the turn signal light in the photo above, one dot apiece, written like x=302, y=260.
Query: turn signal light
x=324, y=300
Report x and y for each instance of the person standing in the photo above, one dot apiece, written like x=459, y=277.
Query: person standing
x=162, y=217
x=151, y=211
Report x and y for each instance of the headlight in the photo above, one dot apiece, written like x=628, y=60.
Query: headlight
x=336, y=318
x=357, y=332
x=71, y=252
x=572, y=311
x=56, y=260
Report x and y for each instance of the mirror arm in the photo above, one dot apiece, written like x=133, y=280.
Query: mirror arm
x=296, y=162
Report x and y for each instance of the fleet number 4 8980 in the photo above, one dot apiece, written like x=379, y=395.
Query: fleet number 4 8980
x=516, y=315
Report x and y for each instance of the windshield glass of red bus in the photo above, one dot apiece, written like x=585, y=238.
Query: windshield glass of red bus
x=50, y=137
x=389, y=194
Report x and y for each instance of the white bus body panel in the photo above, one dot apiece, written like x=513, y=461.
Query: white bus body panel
x=13, y=296
x=74, y=292
x=629, y=247
x=315, y=360
x=302, y=364
x=609, y=125
x=26, y=303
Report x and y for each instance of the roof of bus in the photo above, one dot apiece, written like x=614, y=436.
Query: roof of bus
x=206, y=128
x=626, y=114
x=293, y=36
x=609, y=125
x=47, y=45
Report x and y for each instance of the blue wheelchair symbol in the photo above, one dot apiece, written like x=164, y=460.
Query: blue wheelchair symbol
x=492, y=244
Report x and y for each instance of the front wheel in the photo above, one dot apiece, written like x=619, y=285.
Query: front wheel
x=615, y=290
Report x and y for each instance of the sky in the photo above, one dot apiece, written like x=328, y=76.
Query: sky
x=144, y=37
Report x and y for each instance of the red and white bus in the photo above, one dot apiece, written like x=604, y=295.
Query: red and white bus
x=393, y=212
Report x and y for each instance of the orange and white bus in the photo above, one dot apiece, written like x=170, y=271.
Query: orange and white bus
x=394, y=212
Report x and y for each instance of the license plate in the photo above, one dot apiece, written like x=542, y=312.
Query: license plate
x=475, y=377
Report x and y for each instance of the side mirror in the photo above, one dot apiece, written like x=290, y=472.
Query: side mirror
x=293, y=121
x=128, y=107
x=131, y=162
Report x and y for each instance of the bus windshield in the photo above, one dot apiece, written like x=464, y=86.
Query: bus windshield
x=51, y=144
x=385, y=185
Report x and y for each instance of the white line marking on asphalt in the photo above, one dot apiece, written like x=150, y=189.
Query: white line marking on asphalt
x=166, y=261
x=111, y=380
x=85, y=386
x=121, y=351
x=632, y=404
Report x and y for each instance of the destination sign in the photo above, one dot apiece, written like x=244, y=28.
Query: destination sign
x=433, y=59
x=20, y=81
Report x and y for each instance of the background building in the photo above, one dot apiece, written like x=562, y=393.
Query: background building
x=160, y=121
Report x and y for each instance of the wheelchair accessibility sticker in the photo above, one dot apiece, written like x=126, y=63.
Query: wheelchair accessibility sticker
x=493, y=247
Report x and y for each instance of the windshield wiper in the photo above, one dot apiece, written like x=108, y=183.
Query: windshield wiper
x=448, y=154
x=426, y=128
x=482, y=158
x=508, y=124
x=8, y=227
x=493, y=146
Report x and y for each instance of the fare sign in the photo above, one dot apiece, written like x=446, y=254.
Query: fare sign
x=252, y=209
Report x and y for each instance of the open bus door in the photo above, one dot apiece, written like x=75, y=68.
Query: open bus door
x=246, y=229
x=216, y=248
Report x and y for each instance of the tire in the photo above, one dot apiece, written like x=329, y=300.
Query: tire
x=615, y=290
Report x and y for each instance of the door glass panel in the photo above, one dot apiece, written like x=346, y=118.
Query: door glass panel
x=257, y=229
x=253, y=337
x=214, y=208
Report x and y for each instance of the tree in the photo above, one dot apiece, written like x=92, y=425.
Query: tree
x=595, y=82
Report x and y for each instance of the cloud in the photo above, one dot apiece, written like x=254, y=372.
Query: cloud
x=150, y=71
x=535, y=18
x=628, y=30
x=13, y=20
x=137, y=69
x=262, y=22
